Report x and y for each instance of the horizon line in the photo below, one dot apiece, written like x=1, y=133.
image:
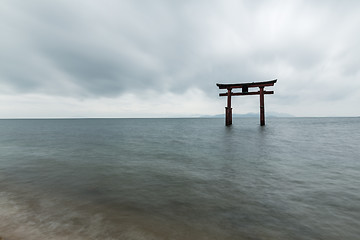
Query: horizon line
x=197, y=117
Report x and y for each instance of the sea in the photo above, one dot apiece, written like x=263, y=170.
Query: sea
x=194, y=178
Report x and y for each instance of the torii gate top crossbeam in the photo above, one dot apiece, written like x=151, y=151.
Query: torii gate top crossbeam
x=252, y=84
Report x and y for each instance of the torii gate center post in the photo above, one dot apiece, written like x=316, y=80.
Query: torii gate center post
x=245, y=91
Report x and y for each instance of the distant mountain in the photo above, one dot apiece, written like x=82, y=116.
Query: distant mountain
x=250, y=115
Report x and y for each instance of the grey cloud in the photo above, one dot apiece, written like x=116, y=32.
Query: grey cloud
x=111, y=47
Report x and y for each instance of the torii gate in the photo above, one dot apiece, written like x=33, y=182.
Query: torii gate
x=245, y=87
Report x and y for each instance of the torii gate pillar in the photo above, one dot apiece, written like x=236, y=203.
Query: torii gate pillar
x=262, y=107
x=228, y=110
x=245, y=87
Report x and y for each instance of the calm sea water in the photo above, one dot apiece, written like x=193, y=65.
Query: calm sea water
x=139, y=179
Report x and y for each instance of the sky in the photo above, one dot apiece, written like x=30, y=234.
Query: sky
x=162, y=58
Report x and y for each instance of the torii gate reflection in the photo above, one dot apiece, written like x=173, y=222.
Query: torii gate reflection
x=245, y=87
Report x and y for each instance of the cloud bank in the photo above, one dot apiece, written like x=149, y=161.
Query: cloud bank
x=96, y=50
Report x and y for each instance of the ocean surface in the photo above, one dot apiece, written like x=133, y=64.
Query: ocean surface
x=140, y=179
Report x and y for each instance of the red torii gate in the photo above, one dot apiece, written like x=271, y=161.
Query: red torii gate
x=245, y=91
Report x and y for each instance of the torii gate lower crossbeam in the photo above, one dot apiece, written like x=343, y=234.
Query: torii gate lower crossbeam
x=245, y=87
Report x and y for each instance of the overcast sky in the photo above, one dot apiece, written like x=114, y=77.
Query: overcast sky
x=153, y=58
